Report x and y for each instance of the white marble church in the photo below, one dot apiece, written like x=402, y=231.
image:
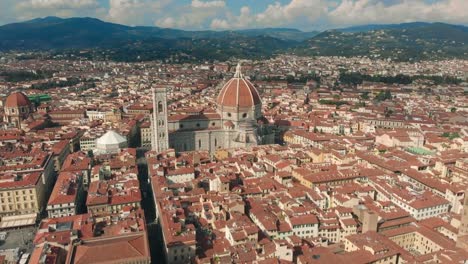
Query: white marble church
x=239, y=121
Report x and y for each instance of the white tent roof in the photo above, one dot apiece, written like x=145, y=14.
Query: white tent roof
x=110, y=138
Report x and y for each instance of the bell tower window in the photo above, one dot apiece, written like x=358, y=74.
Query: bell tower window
x=160, y=107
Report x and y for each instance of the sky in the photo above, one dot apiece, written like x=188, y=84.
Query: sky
x=240, y=14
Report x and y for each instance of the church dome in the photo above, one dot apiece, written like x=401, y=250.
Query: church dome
x=110, y=142
x=17, y=100
x=238, y=92
x=111, y=138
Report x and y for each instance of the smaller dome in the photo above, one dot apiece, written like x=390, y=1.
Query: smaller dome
x=17, y=99
x=111, y=137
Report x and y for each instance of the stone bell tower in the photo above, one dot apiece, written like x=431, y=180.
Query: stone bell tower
x=160, y=137
x=462, y=238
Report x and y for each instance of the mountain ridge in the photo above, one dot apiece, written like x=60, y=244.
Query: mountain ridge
x=421, y=39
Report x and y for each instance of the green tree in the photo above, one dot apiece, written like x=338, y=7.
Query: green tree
x=365, y=95
x=384, y=95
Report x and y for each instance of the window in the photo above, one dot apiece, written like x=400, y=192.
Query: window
x=244, y=115
x=199, y=143
x=160, y=107
x=198, y=124
x=229, y=114
x=213, y=124
x=181, y=126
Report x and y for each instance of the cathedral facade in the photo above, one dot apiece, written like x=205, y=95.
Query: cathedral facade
x=238, y=121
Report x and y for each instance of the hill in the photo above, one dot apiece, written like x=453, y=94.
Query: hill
x=410, y=41
x=415, y=41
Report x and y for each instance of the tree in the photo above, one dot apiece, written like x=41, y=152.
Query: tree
x=365, y=95
x=382, y=96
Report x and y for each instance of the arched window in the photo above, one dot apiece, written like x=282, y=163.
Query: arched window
x=160, y=107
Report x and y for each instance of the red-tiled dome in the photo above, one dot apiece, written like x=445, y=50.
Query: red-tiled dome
x=17, y=99
x=238, y=92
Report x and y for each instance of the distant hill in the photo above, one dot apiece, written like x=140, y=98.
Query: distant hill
x=401, y=41
x=413, y=41
x=56, y=33
x=365, y=28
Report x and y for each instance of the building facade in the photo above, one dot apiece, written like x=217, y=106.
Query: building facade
x=238, y=121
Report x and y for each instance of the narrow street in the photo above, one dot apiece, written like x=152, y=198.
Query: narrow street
x=147, y=203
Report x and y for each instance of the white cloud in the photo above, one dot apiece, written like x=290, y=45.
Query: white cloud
x=27, y=9
x=276, y=14
x=59, y=4
x=245, y=19
x=351, y=12
x=193, y=16
x=218, y=14
x=207, y=4
x=134, y=12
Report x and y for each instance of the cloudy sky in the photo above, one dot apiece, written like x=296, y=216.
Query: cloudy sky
x=236, y=14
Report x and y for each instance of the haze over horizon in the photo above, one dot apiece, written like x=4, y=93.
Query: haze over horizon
x=241, y=14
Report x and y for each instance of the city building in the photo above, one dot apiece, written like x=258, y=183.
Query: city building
x=238, y=121
x=17, y=108
x=67, y=197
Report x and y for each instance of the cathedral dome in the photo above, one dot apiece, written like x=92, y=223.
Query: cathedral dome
x=16, y=100
x=238, y=92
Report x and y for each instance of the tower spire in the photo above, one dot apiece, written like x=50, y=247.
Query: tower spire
x=238, y=73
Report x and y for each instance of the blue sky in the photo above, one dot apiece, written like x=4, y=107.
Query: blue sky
x=238, y=14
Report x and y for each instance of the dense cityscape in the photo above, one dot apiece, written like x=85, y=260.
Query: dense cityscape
x=283, y=160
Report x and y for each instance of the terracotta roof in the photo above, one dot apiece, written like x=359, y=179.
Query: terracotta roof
x=125, y=249
x=239, y=92
x=17, y=99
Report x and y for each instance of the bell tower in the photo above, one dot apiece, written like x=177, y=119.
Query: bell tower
x=462, y=238
x=160, y=137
